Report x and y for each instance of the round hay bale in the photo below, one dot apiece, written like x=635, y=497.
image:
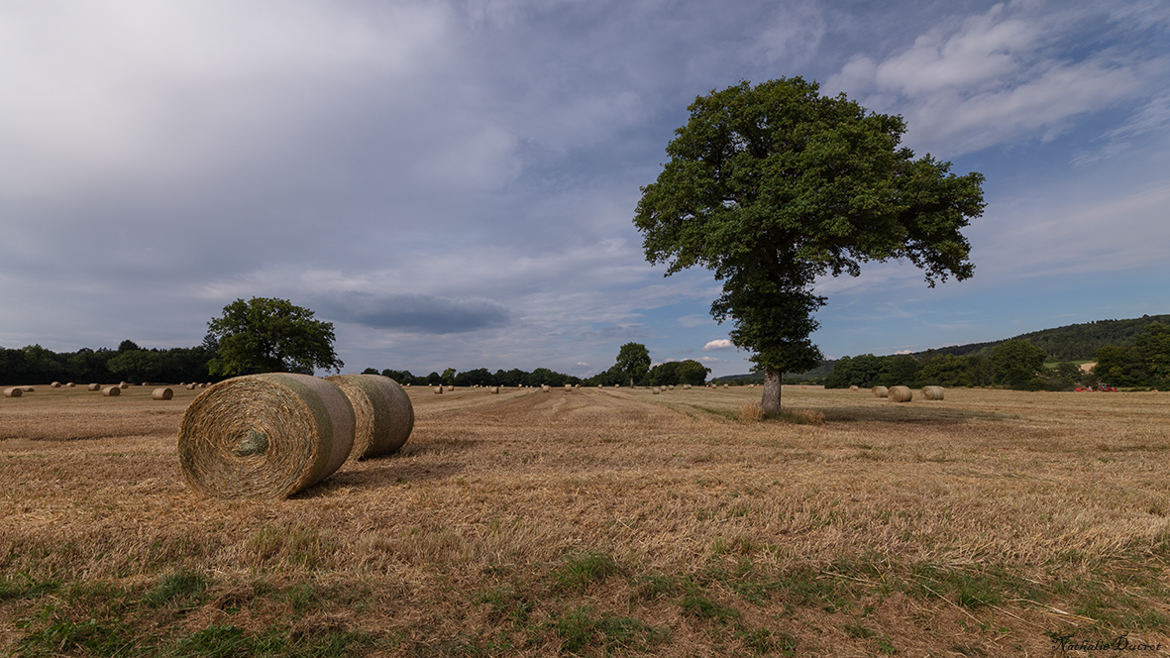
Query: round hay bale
x=900, y=394
x=94, y=387
x=932, y=392
x=382, y=414
x=655, y=391
x=123, y=385
x=112, y=391
x=686, y=387
x=162, y=394
x=854, y=388
x=27, y=389
x=13, y=392
x=880, y=391
x=264, y=436
x=494, y=389
x=568, y=387
x=545, y=388
x=69, y=384
x=55, y=385
x=438, y=390
x=190, y=387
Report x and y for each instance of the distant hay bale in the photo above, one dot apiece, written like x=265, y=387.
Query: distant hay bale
x=382, y=414
x=264, y=436
x=854, y=388
x=123, y=385
x=162, y=394
x=27, y=389
x=568, y=387
x=438, y=390
x=112, y=391
x=686, y=387
x=725, y=386
x=655, y=391
x=900, y=394
x=670, y=387
x=450, y=388
x=94, y=387
x=55, y=385
x=13, y=392
x=407, y=384
x=495, y=390
x=190, y=387
x=932, y=392
x=545, y=388
x=69, y=384
x=880, y=391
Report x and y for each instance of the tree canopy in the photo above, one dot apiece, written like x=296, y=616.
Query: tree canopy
x=267, y=334
x=633, y=361
x=772, y=186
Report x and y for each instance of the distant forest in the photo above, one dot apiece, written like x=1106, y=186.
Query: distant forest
x=1114, y=343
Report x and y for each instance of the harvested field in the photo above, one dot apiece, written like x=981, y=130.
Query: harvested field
x=603, y=521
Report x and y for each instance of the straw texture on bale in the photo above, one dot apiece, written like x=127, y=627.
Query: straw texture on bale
x=900, y=394
x=162, y=394
x=264, y=436
x=382, y=414
x=94, y=387
x=112, y=391
x=880, y=391
x=932, y=392
x=13, y=392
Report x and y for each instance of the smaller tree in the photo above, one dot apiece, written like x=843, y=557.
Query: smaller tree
x=1016, y=362
x=266, y=334
x=633, y=361
x=449, y=376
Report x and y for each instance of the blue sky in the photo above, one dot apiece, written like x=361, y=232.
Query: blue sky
x=453, y=183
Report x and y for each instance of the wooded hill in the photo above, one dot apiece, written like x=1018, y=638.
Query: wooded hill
x=1073, y=342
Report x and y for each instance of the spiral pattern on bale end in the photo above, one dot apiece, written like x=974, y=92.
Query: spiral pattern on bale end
x=383, y=415
x=112, y=391
x=13, y=392
x=264, y=436
x=162, y=394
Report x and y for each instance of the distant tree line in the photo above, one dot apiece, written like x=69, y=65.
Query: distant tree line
x=35, y=364
x=1018, y=364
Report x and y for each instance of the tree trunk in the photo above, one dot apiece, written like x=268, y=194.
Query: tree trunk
x=771, y=401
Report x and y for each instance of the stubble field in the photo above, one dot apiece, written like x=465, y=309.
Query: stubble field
x=604, y=521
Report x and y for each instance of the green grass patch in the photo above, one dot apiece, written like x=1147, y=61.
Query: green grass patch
x=63, y=636
x=582, y=570
x=183, y=588
x=699, y=605
x=764, y=642
x=583, y=627
x=24, y=586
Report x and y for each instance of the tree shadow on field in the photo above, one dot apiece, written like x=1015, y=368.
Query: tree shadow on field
x=924, y=414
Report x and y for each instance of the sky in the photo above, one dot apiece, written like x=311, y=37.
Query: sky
x=452, y=184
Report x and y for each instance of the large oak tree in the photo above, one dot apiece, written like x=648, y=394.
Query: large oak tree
x=775, y=185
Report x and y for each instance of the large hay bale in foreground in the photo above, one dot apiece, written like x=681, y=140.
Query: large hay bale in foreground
x=264, y=436
x=112, y=391
x=900, y=394
x=932, y=392
x=382, y=413
x=880, y=391
x=162, y=394
x=13, y=392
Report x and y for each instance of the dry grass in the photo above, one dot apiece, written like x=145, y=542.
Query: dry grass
x=606, y=520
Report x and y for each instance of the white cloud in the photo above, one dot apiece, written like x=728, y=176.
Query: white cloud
x=718, y=344
x=710, y=359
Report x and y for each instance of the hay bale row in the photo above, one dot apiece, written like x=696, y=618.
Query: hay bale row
x=383, y=415
x=900, y=394
x=13, y=392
